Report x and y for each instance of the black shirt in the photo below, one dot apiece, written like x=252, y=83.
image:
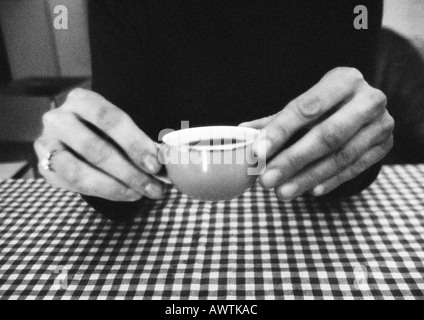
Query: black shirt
x=222, y=62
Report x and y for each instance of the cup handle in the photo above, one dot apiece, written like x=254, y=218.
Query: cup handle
x=162, y=175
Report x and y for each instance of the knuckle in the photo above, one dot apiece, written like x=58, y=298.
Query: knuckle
x=294, y=161
x=337, y=71
x=51, y=117
x=308, y=106
x=277, y=133
x=78, y=93
x=106, y=117
x=331, y=137
x=388, y=125
x=57, y=119
x=38, y=145
x=138, y=147
x=347, y=75
x=385, y=149
x=352, y=76
x=391, y=122
x=72, y=175
x=360, y=167
x=133, y=178
x=345, y=157
x=377, y=98
x=97, y=152
x=77, y=100
x=70, y=106
x=314, y=178
x=88, y=147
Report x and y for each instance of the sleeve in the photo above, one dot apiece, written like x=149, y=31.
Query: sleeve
x=356, y=185
x=114, y=51
x=400, y=75
x=119, y=212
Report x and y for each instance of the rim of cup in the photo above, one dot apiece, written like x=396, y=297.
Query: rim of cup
x=180, y=139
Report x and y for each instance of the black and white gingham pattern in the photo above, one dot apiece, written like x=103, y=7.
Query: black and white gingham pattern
x=371, y=246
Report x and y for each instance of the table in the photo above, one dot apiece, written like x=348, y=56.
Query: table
x=371, y=246
x=9, y=169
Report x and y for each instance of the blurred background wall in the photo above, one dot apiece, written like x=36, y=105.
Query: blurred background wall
x=4, y=63
x=34, y=47
x=407, y=18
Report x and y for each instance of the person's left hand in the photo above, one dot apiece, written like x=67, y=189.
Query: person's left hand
x=338, y=148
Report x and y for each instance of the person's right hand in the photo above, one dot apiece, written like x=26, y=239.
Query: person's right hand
x=102, y=152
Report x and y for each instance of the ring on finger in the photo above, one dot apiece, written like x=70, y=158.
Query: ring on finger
x=47, y=162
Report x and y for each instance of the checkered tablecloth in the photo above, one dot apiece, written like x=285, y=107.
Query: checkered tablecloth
x=52, y=245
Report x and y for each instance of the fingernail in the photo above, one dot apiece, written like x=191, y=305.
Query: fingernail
x=289, y=191
x=132, y=195
x=154, y=191
x=152, y=164
x=318, y=191
x=270, y=178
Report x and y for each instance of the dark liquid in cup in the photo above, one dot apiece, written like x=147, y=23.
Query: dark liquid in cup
x=214, y=142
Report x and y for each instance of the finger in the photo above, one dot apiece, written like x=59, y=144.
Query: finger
x=100, y=154
x=111, y=120
x=326, y=138
x=333, y=89
x=372, y=157
x=77, y=176
x=374, y=134
x=258, y=123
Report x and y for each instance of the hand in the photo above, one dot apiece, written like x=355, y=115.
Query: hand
x=102, y=151
x=350, y=130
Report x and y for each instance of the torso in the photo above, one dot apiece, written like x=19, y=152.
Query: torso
x=220, y=62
